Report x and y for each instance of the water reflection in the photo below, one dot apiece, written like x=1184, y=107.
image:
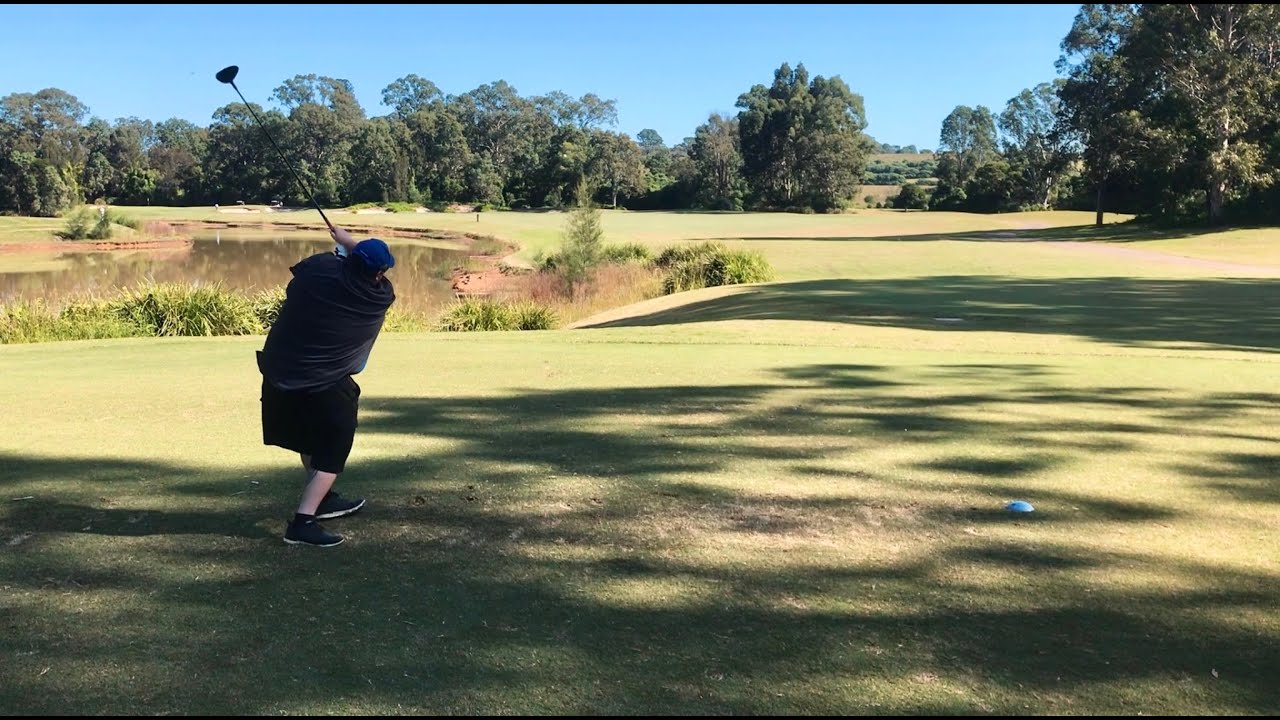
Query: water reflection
x=237, y=260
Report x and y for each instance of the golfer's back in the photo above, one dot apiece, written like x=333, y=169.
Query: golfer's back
x=331, y=316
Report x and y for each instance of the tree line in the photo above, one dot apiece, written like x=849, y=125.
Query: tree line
x=1164, y=111
x=796, y=143
x=1159, y=110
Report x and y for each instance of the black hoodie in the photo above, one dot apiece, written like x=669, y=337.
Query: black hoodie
x=332, y=313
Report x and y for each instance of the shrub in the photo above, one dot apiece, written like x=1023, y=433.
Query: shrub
x=911, y=197
x=710, y=264
x=476, y=314
x=31, y=322
x=404, y=321
x=266, y=306
x=683, y=253
x=617, y=254
x=626, y=252
x=77, y=227
x=484, y=314
x=102, y=229
x=746, y=266
x=179, y=310
x=532, y=316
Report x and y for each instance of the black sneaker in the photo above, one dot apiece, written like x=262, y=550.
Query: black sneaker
x=336, y=506
x=310, y=533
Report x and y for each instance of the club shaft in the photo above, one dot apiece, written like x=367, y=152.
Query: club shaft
x=287, y=164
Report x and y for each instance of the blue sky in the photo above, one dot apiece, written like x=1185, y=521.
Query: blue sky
x=668, y=67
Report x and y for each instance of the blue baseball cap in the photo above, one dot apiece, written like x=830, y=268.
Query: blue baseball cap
x=374, y=254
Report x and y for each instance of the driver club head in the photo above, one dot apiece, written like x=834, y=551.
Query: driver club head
x=228, y=74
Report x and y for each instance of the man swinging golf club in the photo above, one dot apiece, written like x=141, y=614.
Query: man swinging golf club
x=334, y=308
x=333, y=311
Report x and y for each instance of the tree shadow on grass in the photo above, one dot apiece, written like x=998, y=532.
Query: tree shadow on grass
x=586, y=552
x=1251, y=477
x=1111, y=233
x=1229, y=313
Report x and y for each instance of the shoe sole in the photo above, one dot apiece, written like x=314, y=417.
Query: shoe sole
x=340, y=513
x=323, y=545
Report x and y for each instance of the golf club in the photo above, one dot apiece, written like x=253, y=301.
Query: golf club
x=227, y=75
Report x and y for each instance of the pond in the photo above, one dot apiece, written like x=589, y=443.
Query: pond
x=238, y=259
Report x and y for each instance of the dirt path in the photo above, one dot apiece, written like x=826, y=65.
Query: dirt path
x=1166, y=258
x=480, y=282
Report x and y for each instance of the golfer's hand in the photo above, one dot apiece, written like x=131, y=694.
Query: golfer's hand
x=343, y=238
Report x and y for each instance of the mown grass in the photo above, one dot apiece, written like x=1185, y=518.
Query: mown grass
x=788, y=517
x=540, y=232
x=768, y=499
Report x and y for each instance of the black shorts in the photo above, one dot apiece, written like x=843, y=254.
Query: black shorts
x=319, y=423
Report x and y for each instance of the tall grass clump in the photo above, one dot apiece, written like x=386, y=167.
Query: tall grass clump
x=710, y=264
x=32, y=322
x=618, y=254
x=173, y=310
x=484, y=314
x=475, y=314
x=266, y=306
x=168, y=310
x=626, y=253
x=399, y=320
x=530, y=315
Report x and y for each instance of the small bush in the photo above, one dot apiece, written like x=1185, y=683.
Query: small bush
x=102, y=229
x=911, y=197
x=31, y=322
x=616, y=254
x=683, y=253
x=96, y=320
x=77, y=227
x=746, y=266
x=626, y=252
x=266, y=306
x=178, y=310
x=81, y=224
x=683, y=276
x=484, y=314
x=710, y=264
x=476, y=314
x=532, y=316
x=405, y=321
x=28, y=322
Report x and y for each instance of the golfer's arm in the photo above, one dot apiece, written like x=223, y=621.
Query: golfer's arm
x=343, y=238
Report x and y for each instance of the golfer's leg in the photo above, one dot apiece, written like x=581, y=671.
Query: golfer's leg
x=315, y=491
x=306, y=467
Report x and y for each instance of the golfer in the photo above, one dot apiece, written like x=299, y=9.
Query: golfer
x=334, y=308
